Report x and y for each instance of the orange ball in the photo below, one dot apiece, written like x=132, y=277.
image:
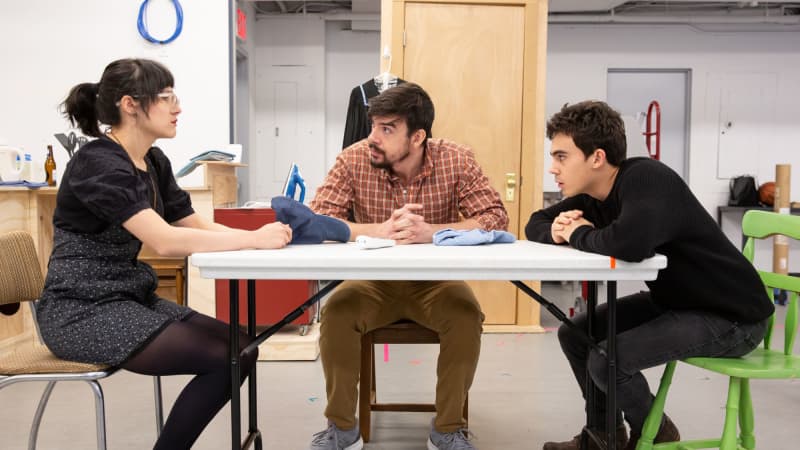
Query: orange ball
x=766, y=193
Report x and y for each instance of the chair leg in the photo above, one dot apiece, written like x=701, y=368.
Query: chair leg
x=365, y=386
x=746, y=417
x=100, y=413
x=653, y=421
x=728, y=441
x=37, y=418
x=159, y=405
x=373, y=383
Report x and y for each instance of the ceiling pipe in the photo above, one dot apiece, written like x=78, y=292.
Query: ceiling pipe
x=326, y=16
x=670, y=20
x=351, y=16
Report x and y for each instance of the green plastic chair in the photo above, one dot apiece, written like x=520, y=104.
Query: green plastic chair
x=764, y=363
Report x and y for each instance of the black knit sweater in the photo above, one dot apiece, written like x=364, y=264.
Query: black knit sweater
x=650, y=210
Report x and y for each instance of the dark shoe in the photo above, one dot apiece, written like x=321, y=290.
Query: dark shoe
x=575, y=443
x=667, y=433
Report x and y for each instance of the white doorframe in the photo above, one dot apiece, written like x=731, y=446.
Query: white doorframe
x=242, y=119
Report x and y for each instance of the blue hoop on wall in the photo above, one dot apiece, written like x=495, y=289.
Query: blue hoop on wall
x=178, y=25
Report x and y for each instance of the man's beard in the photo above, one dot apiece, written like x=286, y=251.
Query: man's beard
x=385, y=164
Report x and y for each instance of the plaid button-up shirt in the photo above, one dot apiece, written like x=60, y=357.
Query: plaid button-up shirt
x=451, y=187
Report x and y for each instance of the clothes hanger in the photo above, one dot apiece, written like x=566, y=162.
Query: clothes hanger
x=386, y=79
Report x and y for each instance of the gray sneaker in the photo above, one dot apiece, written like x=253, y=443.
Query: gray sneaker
x=332, y=438
x=457, y=440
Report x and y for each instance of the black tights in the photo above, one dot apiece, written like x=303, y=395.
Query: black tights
x=198, y=346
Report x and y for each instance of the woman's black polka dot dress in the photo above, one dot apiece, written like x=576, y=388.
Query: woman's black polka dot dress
x=99, y=303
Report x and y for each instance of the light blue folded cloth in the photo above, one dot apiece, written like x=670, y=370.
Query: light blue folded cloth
x=449, y=236
x=24, y=183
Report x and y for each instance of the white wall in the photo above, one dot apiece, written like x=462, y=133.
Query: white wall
x=45, y=54
x=51, y=45
x=289, y=97
x=578, y=60
x=580, y=56
x=326, y=61
x=351, y=58
x=245, y=99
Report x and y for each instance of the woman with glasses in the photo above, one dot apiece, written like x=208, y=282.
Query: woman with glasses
x=99, y=303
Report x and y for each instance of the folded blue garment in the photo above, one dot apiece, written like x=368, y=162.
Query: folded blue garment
x=307, y=227
x=24, y=183
x=449, y=236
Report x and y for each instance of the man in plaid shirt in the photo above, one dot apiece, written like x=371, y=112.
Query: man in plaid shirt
x=401, y=184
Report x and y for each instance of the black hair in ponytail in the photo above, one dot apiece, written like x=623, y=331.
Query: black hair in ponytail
x=89, y=104
x=79, y=107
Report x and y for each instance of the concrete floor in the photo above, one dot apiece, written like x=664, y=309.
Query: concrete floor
x=523, y=395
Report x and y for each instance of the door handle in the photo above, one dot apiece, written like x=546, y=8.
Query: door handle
x=511, y=185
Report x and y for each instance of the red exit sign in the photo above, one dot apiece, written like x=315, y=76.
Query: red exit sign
x=241, y=24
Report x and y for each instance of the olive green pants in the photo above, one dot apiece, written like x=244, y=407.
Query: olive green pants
x=357, y=307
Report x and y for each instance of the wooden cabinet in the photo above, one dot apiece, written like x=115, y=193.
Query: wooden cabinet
x=483, y=63
x=32, y=211
x=275, y=298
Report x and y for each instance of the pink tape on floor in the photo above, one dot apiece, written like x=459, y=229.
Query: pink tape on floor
x=385, y=352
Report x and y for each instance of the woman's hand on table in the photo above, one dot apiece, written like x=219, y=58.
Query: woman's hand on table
x=273, y=235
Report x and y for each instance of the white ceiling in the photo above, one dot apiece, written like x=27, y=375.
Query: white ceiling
x=779, y=14
x=664, y=6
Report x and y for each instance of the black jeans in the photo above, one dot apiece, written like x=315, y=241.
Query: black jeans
x=648, y=336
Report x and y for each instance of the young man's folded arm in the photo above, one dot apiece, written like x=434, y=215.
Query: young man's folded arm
x=538, y=227
x=633, y=236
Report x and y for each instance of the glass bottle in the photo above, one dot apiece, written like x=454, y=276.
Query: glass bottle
x=50, y=167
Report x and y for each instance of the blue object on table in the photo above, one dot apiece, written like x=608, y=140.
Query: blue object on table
x=293, y=180
x=449, y=236
x=308, y=227
x=23, y=183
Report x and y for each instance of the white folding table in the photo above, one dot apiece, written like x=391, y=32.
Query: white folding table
x=521, y=260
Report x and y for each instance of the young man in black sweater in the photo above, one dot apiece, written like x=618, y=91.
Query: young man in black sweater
x=708, y=301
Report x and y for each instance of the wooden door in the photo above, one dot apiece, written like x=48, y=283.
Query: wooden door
x=483, y=62
x=469, y=59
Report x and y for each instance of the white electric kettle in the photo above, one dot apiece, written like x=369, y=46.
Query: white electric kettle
x=10, y=163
